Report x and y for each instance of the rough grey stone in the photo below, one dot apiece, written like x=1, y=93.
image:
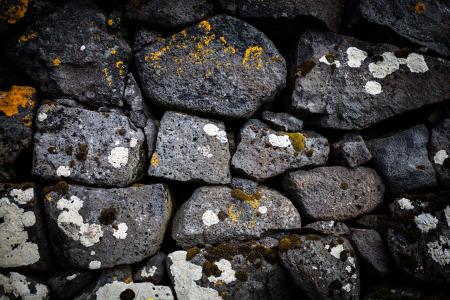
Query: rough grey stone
x=419, y=236
x=190, y=148
x=92, y=228
x=369, y=245
x=66, y=285
x=345, y=83
x=375, y=222
x=16, y=134
x=246, y=185
x=439, y=151
x=335, y=193
x=145, y=37
x=329, y=228
x=263, y=153
x=402, y=160
x=150, y=131
x=14, y=285
x=216, y=214
x=71, y=54
x=221, y=66
x=104, y=149
x=324, y=267
x=23, y=240
x=425, y=23
x=168, y=13
x=228, y=271
x=154, y=269
x=282, y=121
x=139, y=111
x=351, y=150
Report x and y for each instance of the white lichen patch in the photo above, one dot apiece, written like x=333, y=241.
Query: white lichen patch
x=63, y=171
x=22, y=196
x=185, y=276
x=82, y=48
x=133, y=142
x=121, y=232
x=447, y=215
x=347, y=287
x=405, y=203
x=390, y=63
x=373, y=87
x=210, y=218
x=281, y=141
x=228, y=274
x=426, y=222
x=440, y=157
x=17, y=284
x=118, y=157
x=324, y=60
x=416, y=63
x=355, y=57
x=337, y=250
x=205, y=151
x=262, y=209
x=348, y=269
x=440, y=250
x=71, y=222
x=95, y=264
x=42, y=116
x=213, y=130
x=145, y=273
x=142, y=291
x=72, y=277
x=15, y=249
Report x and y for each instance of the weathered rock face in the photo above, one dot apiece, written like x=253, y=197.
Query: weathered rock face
x=190, y=148
x=153, y=271
x=93, y=228
x=67, y=285
x=139, y=112
x=71, y=54
x=221, y=66
x=345, y=83
x=228, y=271
x=328, y=228
x=282, y=121
x=14, y=285
x=351, y=150
x=439, y=151
x=263, y=153
x=335, y=193
x=423, y=23
x=419, y=237
x=402, y=160
x=105, y=149
x=216, y=214
x=168, y=13
x=16, y=135
x=323, y=267
x=23, y=240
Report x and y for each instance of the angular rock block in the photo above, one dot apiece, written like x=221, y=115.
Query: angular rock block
x=439, y=151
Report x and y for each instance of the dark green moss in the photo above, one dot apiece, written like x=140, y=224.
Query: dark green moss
x=61, y=187
x=69, y=150
x=241, y=276
x=344, y=185
x=211, y=269
x=52, y=150
x=306, y=67
x=192, y=252
x=82, y=152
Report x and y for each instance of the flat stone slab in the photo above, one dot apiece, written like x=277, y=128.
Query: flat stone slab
x=190, y=148
x=93, y=228
x=439, y=151
x=221, y=66
x=345, y=83
x=351, y=150
x=18, y=286
x=103, y=149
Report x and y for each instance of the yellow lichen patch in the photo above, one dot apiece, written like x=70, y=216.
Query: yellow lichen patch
x=297, y=140
x=15, y=12
x=154, y=160
x=253, y=55
x=251, y=199
x=113, y=51
x=234, y=216
x=48, y=197
x=110, y=22
x=26, y=38
x=120, y=66
x=27, y=120
x=56, y=61
x=227, y=48
x=128, y=280
x=107, y=76
x=18, y=96
x=183, y=33
x=205, y=25
x=420, y=7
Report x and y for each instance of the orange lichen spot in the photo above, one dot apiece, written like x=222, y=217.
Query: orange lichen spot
x=110, y=22
x=48, y=197
x=227, y=48
x=56, y=61
x=18, y=96
x=154, y=160
x=233, y=215
x=183, y=32
x=26, y=38
x=113, y=51
x=205, y=25
x=120, y=66
x=27, y=120
x=253, y=54
x=107, y=76
x=251, y=199
x=15, y=12
x=128, y=280
x=420, y=7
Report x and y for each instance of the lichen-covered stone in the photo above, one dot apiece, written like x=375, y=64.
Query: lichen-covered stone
x=104, y=149
x=345, y=83
x=14, y=285
x=351, y=150
x=221, y=66
x=216, y=214
x=189, y=148
x=154, y=270
x=70, y=53
x=282, y=121
x=66, y=285
x=419, y=236
x=16, y=134
x=439, y=151
x=323, y=267
x=144, y=37
x=402, y=160
x=422, y=22
x=328, y=228
x=263, y=152
x=335, y=193
x=23, y=240
x=139, y=112
x=93, y=228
